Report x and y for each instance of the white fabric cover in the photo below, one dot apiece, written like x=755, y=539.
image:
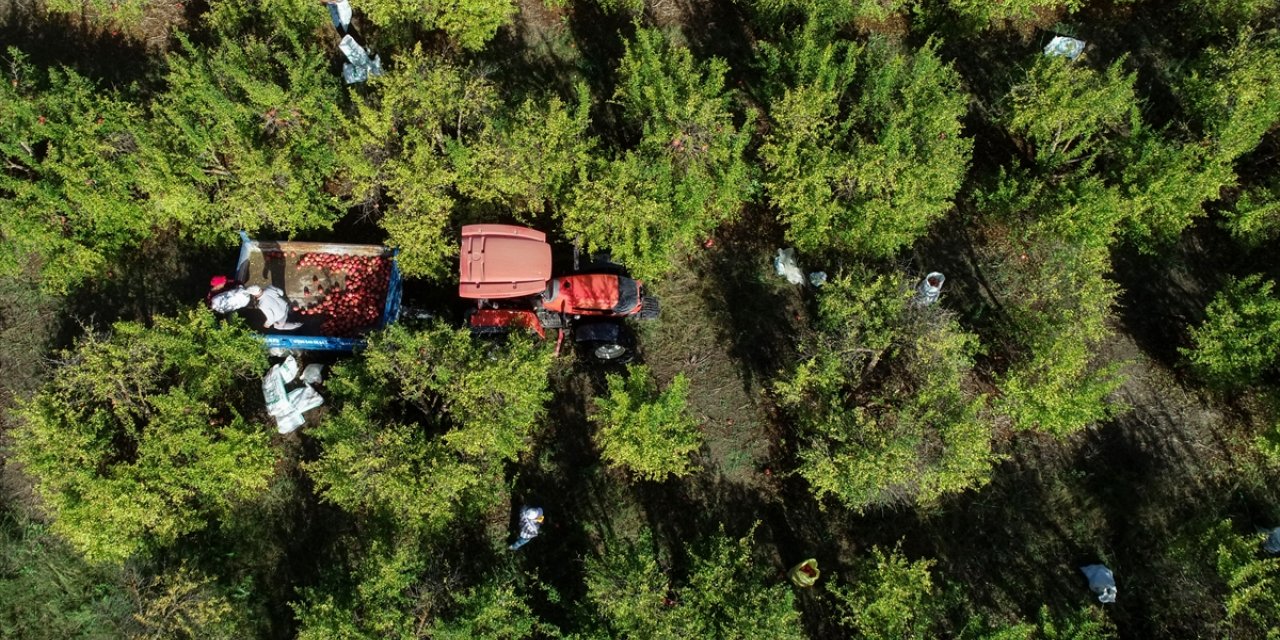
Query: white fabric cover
x=232, y=300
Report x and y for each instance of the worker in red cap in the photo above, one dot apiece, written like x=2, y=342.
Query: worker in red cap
x=219, y=284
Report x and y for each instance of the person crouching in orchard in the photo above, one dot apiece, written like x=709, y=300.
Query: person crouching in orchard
x=228, y=295
x=530, y=524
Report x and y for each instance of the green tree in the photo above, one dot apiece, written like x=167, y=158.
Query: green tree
x=644, y=429
x=122, y=13
x=688, y=173
x=1239, y=340
x=981, y=13
x=890, y=598
x=470, y=23
x=1164, y=184
x=184, y=604
x=832, y=14
x=1255, y=218
x=424, y=421
x=724, y=595
x=142, y=436
x=1235, y=93
x=1048, y=255
x=882, y=401
x=399, y=147
x=68, y=192
x=865, y=171
x=244, y=138
x=1087, y=623
x=490, y=611
x=1066, y=112
x=527, y=160
x=384, y=587
x=1253, y=582
x=371, y=598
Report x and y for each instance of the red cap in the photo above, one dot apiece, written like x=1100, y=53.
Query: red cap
x=217, y=281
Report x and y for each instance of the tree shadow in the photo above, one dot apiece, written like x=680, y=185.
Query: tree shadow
x=760, y=319
x=111, y=58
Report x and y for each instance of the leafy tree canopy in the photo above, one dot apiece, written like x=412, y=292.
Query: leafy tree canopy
x=882, y=398
x=142, y=435
x=862, y=163
x=688, y=173
x=725, y=594
x=644, y=429
x=244, y=138
x=1239, y=340
x=71, y=156
x=424, y=421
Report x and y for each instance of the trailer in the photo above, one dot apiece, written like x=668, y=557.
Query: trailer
x=339, y=292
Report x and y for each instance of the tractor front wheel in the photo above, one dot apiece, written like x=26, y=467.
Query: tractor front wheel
x=610, y=352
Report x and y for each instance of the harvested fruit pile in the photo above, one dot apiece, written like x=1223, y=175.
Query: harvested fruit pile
x=353, y=301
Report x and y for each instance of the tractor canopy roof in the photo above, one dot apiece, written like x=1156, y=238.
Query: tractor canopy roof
x=503, y=261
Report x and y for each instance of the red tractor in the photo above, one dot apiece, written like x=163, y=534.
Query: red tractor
x=507, y=270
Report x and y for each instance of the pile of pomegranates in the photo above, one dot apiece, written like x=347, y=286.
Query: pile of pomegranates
x=357, y=288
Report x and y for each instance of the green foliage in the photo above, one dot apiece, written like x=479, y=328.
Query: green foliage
x=983, y=12
x=1164, y=184
x=882, y=399
x=1236, y=93
x=1253, y=582
x=687, y=175
x=184, y=604
x=424, y=422
x=1066, y=111
x=1087, y=623
x=141, y=437
x=491, y=611
x=524, y=162
x=644, y=429
x=865, y=172
x=374, y=607
x=725, y=594
x=1239, y=340
x=1255, y=219
x=68, y=196
x=244, y=138
x=118, y=13
x=891, y=598
x=47, y=592
x=1049, y=254
x=470, y=23
x=399, y=146
x=1224, y=16
x=832, y=14
x=386, y=588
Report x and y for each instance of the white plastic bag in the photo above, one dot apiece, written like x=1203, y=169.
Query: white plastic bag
x=340, y=13
x=1272, y=544
x=313, y=374
x=290, y=422
x=786, y=266
x=305, y=398
x=1101, y=582
x=288, y=369
x=273, y=393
